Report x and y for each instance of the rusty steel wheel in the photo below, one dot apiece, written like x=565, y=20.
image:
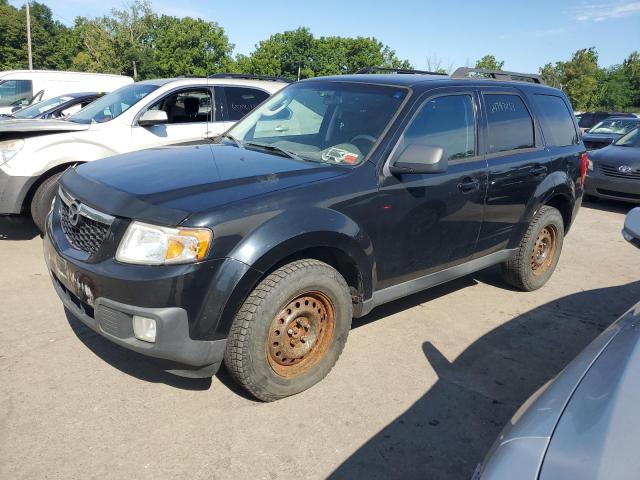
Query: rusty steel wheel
x=544, y=250
x=300, y=334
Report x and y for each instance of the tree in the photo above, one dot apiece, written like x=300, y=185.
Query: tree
x=614, y=89
x=489, y=62
x=580, y=78
x=187, y=46
x=631, y=68
x=552, y=74
x=298, y=54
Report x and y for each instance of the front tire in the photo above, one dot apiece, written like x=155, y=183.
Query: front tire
x=290, y=331
x=42, y=200
x=538, y=253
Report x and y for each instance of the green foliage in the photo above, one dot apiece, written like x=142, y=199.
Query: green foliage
x=298, y=54
x=490, y=63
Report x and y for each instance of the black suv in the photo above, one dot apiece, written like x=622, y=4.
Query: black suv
x=334, y=196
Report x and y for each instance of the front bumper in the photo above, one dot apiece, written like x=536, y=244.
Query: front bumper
x=114, y=321
x=599, y=185
x=13, y=191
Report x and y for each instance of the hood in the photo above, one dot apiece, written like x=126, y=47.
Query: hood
x=615, y=156
x=166, y=185
x=600, y=137
x=38, y=126
x=598, y=433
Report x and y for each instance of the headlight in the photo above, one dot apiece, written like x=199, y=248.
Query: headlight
x=9, y=148
x=147, y=244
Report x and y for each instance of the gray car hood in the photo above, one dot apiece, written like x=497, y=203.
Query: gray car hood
x=17, y=125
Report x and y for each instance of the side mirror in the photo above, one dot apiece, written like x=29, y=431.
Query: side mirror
x=420, y=158
x=153, y=117
x=631, y=230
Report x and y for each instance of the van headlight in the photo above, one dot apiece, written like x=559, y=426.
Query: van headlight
x=9, y=149
x=146, y=244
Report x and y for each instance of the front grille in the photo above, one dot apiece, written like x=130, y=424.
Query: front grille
x=612, y=171
x=88, y=233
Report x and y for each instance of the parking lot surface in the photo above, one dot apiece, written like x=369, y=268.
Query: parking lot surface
x=422, y=389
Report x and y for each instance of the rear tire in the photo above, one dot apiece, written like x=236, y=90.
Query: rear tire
x=42, y=200
x=538, y=253
x=290, y=331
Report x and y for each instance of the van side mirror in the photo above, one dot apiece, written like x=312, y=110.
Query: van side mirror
x=153, y=117
x=420, y=158
x=631, y=230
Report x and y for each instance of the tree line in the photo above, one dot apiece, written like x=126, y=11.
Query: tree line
x=138, y=42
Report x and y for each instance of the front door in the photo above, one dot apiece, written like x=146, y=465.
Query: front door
x=431, y=221
x=189, y=114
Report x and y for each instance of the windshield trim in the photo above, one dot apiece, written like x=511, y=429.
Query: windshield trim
x=319, y=82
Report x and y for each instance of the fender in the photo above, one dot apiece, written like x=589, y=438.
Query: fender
x=556, y=183
x=284, y=236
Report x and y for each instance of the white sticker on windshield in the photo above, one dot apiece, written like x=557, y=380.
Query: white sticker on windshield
x=339, y=155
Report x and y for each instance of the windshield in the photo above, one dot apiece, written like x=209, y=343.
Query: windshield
x=328, y=122
x=41, y=107
x=617, y=127
x=113, y=105
x=631, y=139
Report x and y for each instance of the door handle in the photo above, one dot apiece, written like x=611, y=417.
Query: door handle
x=469, y=184
x=538, y=170
x=280, y=128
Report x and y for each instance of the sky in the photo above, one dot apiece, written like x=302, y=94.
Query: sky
x=525, y=34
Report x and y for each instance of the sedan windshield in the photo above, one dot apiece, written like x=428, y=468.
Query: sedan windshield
x=113, y=105
x=34, y=110
x=329, y=122
x=616, y=127
x=631, y=139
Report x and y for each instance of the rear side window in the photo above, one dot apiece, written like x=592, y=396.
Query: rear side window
x=556, y=121
x=510, y=124
x=241, y=101
x=446, y=122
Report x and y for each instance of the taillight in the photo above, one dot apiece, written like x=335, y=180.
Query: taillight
x=584, y=162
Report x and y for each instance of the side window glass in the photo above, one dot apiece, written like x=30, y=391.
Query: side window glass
x=8, y=92
x=509, y=121
x=24, y=90
x=241, y=101
x=186, y=106
x=446, y=122
x=556, y=121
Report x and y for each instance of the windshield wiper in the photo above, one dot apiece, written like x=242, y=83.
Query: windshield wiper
x=273, y=148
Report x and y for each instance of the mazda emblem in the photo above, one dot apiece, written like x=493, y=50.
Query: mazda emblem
x=624, y=169
x=74, y=213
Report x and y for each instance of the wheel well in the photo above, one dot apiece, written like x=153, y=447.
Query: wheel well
x=563, y=205
x=335, y=257
x=57, y=169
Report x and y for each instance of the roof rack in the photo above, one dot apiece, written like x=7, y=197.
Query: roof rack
x=402, y=71
x=251, y=77
x=464, y=72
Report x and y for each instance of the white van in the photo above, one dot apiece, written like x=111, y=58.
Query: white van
x=24, y=87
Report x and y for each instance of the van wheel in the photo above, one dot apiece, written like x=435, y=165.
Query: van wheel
x=537, y=256
x=42, y=200
x=290, y=331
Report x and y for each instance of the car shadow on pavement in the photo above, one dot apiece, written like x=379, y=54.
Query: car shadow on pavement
x=449, y=430
x=129, y=362
x=14, y=227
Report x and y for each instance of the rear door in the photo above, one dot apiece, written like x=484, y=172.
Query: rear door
x=517, y=164
x=432, y=221
x=237, y=101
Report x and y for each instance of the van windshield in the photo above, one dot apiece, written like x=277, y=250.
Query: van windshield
x=328, y=122
x=113, y=105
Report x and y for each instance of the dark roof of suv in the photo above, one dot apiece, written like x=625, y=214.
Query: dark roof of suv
x=413, y=80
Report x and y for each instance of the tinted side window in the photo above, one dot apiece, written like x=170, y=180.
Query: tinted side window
x=509, y=121
x=446, y=122
x=556, y=121
x=241, y=101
